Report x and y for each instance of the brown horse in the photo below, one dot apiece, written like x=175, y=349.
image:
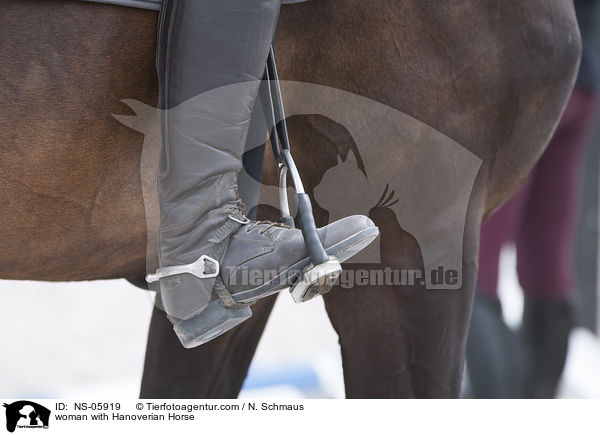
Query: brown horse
x=492, y=76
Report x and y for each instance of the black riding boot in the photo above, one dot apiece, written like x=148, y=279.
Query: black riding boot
x=545, y=332
x=214, y=261
x=494, y=353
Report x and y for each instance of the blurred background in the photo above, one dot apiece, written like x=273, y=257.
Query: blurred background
x=529, y=338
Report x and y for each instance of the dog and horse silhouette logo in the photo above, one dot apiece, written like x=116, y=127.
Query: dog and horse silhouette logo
x=26, y=414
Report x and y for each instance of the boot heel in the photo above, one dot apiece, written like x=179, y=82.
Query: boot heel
x=211, y=322
x=316, y=280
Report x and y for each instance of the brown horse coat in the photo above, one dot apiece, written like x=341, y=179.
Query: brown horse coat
x=492, y=76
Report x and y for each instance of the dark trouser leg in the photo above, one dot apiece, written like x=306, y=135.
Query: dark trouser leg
x=545, y=247
x=494, y=352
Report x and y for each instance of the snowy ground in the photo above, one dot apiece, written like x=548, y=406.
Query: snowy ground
x=87, y=340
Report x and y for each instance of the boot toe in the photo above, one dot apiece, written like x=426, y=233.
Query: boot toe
x=348, y=236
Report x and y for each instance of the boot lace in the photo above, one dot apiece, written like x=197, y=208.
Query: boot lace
x=268, y=226
x=237, y=207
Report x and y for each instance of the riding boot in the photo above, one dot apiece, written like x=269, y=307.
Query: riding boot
x=494, y=353
x=545, y=332
x=214, y=261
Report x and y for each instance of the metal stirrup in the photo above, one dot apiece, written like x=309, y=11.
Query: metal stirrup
x=280, y=142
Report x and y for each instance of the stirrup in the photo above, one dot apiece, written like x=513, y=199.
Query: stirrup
x=322, y=275
x=316, y=280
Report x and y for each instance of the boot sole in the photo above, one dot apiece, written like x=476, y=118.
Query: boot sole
x=210, y=323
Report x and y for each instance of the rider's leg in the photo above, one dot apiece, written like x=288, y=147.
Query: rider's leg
x=545, y=247
x=211, y=57
x=494, y=354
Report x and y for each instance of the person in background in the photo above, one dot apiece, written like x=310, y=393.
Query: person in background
x=540, y=220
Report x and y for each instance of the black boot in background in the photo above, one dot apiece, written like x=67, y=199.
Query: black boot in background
x=545, y=333
x=494, y=354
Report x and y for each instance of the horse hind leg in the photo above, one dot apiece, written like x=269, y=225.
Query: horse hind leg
x=374, y=344
x=467, y=82
x=215, y=370
x=391, y=347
